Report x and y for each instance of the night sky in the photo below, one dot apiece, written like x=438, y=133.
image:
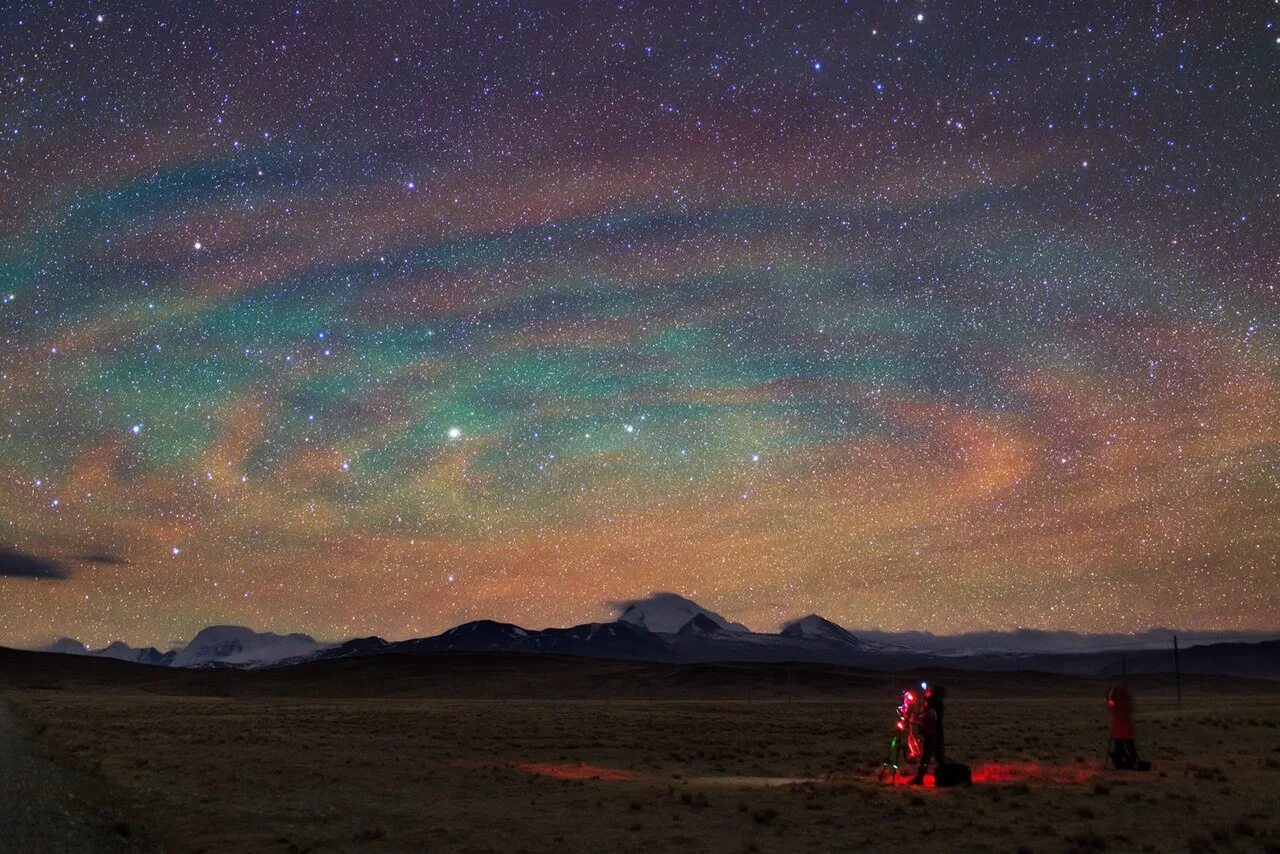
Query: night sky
x=375, y=318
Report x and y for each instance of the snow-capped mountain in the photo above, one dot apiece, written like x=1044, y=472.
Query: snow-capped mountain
x=591, y=640
x=668, y=613
x=353, y=648
x=482, y=634
x=239, y=646
x=146, y=655
x=817, y=628
x=663, y=627
x=666, y=627
x=701, y=624
x=117, y=650
x=605, y=640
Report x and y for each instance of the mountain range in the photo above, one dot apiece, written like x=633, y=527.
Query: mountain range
x=666, y=627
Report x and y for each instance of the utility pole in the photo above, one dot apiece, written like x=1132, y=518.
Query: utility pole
x=1177, y=669
x=1124, y=671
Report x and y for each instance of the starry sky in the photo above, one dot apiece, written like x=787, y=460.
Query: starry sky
x=379, y=317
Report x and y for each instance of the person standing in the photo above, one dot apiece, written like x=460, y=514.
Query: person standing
x=1124, y=753
x=932, y=740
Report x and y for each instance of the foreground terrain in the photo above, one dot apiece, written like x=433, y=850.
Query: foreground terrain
x=316, y=760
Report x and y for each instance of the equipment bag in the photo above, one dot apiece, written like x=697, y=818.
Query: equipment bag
x=953, y=774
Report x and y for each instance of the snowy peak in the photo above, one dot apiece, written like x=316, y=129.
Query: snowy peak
x=122, y=651
x=814, y=627
x=372, y=645
x=701, y=625
x=618, y=639
x=118, y=650
x=482, y=634
x=593, y=640
x=241, y=646
x=487, y=627
x=668, y=613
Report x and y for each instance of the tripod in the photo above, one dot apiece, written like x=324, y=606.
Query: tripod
x=899, y=752
x=904, y=746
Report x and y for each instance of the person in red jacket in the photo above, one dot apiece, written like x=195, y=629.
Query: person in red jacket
x=1124, y=751
x=932, y=741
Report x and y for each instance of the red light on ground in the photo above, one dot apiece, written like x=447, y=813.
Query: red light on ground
x=905, y=780
x=576, y=772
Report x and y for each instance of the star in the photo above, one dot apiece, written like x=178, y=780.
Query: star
x=986, y=320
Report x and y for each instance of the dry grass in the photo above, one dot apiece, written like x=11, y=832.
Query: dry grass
x=198, y=773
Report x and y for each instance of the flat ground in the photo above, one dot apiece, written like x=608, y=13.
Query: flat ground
x=249, y=773
x=42, y=800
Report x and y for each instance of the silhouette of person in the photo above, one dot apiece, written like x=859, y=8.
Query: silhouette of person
x=932, y=742
x=1125, y=752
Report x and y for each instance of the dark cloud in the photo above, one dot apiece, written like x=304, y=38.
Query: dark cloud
x=16, y=564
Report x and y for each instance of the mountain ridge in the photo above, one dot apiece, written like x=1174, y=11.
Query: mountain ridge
x=693, y=635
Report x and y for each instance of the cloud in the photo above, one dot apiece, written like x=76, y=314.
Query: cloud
x=16, y=564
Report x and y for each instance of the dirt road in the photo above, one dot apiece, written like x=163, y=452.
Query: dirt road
x=44, y=807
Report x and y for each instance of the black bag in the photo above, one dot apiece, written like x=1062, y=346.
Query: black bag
x=952, y=774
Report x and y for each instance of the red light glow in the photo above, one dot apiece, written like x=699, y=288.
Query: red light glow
x=581, y=771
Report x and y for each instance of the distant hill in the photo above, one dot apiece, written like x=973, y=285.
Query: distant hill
x=499, y=676
x=214, y=646
x=667, y=628
x=1221, y=659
